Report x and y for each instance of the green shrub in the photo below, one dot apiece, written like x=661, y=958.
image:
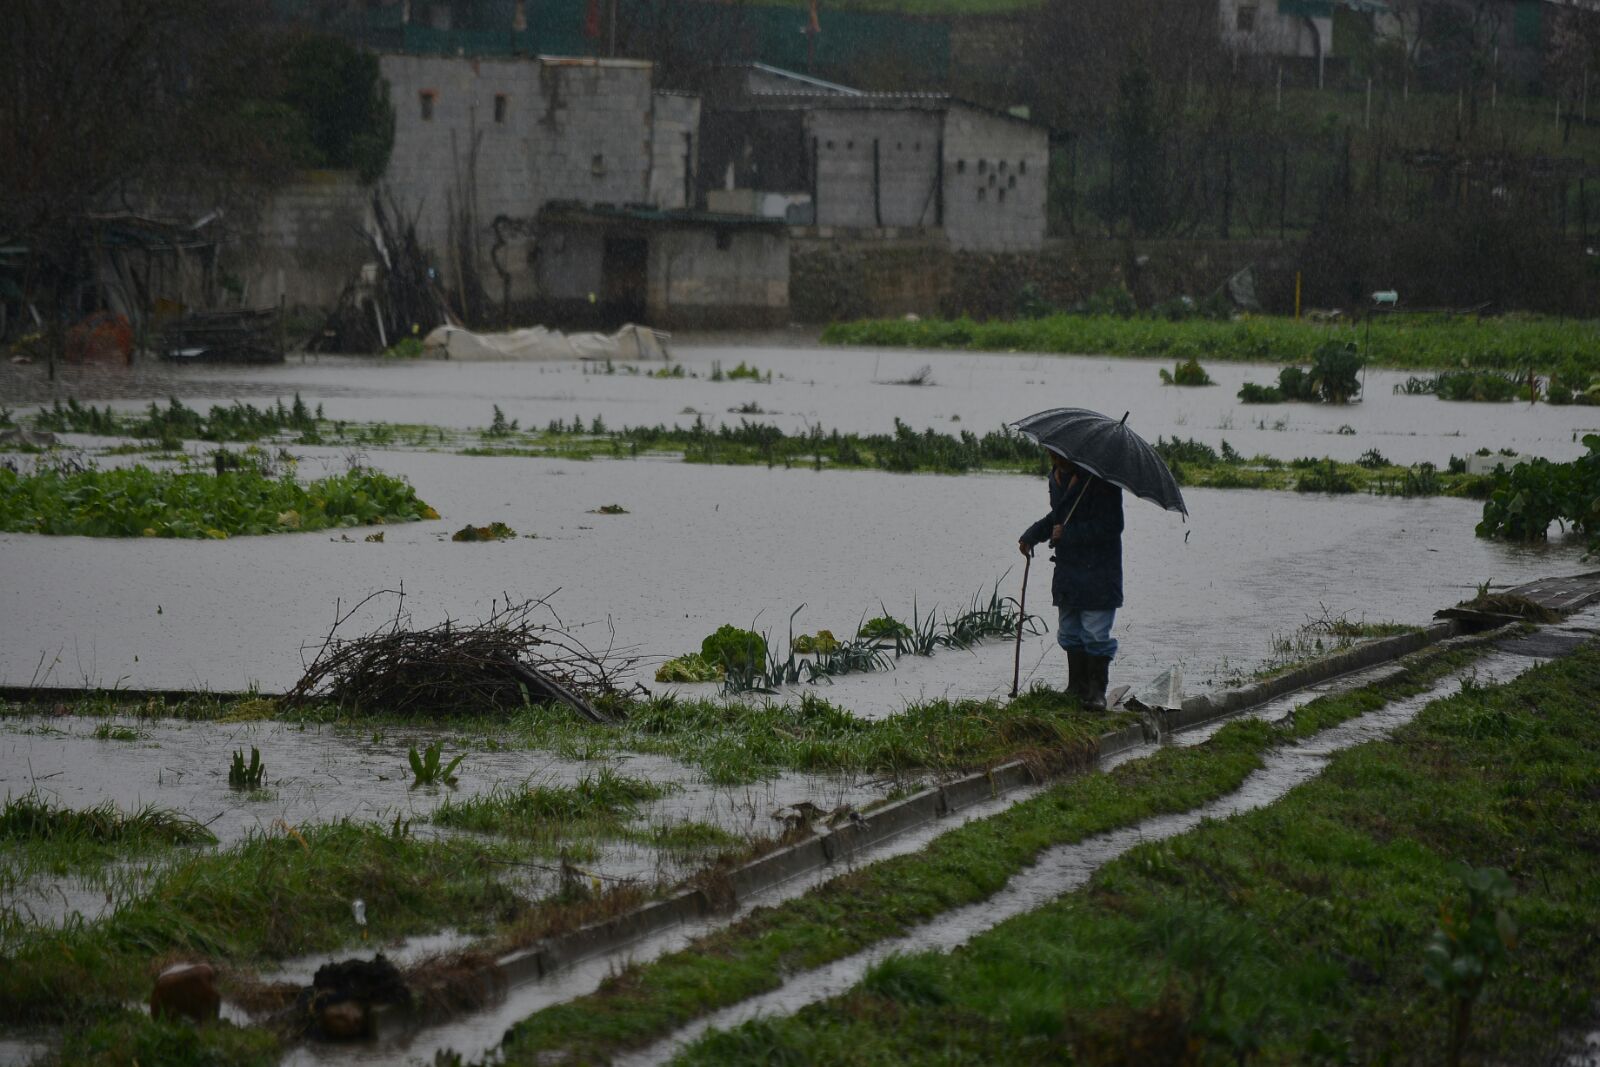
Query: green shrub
x=1530, y=496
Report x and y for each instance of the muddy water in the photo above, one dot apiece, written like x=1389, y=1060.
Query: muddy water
x=840, y=388
x=1065, y=868
x=317, y=775
x=702, y=546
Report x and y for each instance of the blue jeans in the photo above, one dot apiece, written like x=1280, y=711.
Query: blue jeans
x=1087, y=631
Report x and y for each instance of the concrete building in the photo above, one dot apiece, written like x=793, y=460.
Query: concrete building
x=671, y=269
x=827, y=156
x=484, y=146
x=1300, y=29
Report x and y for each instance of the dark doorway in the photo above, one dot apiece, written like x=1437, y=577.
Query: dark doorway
x=622, y=279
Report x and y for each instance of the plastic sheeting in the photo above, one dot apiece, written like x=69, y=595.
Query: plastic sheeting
x=538, y=343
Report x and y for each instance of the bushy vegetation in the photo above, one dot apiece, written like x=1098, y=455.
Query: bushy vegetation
x=1189, y=372
x=1530, y=496
x=1395, y=341
x=1480, y=386
x=144, y=502
x=1334, y=378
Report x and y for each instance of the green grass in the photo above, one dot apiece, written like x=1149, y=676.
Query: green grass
x=1289, y=935
x=600, y=805
x=886, y=898
x=1400, y=341
x=125, y=1037
x=145, y=502
x=31, y=818
x=279, y=893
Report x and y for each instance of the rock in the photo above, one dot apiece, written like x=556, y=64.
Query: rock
x=344, y=1021
x=186, y=991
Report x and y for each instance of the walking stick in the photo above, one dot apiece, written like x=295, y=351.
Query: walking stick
x=1022, y=617
x=1022, y=603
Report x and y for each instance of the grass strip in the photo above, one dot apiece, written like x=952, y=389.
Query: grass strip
x=1418, y=341
x=886, y=898
x=131, y=1037
x=1293, y=934
x=277, y=894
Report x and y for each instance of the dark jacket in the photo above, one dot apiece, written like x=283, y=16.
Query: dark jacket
x=1089, y=555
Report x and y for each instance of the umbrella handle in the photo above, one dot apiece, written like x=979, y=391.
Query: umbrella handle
x=1022, y=617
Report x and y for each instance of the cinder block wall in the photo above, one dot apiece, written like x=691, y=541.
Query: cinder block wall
x=306, y=243
x=996, y=171
x=907, y=164
x=561, y=129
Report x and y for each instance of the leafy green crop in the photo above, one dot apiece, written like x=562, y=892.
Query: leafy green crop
x=1530, y=496
x=143, y=502
x=734, y=649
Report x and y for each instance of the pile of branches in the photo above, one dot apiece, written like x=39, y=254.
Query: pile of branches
x=507, y=661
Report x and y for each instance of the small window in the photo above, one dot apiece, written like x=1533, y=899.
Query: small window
x=1003, y=166
x=849, y=145
x=1245, y=18
x=597, y=165
x=1001, y=196
x=916, y=146
x=499, y=107
x=830, y=146
x=899, y=146
x=983, y=194
x=961, y=166
x=425, y=101
x=1011, y=182
x=983, y=166
x=1022, y=166
x=992, y=179
x=724, y=240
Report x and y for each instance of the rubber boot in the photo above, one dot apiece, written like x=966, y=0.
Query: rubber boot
x=1078, y=674
x=1099, y=678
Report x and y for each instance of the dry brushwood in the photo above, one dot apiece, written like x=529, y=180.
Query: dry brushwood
x=506, y=661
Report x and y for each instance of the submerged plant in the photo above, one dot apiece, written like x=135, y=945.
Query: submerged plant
x=692, y=667
x=1189, y=372
x=428, y=768
x=242, y=775
x=495, y=531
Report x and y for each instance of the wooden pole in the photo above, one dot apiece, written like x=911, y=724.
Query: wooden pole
x=1022, y=618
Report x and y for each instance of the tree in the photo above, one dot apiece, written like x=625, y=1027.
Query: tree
x=102, y=95
x=340, y=95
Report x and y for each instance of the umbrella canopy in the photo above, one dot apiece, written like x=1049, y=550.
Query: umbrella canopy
x=1106, y=448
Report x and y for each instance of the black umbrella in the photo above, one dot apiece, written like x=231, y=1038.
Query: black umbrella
x=1107, y=449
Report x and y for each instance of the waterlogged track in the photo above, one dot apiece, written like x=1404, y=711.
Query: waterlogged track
x=1065, y=868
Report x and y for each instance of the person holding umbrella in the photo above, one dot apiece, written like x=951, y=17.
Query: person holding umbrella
x=1093, y=458
x=1084, y=526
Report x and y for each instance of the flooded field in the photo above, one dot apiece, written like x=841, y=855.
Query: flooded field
x=645, y=557
x=702, y=546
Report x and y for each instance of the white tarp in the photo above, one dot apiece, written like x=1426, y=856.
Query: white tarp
x=537, y=343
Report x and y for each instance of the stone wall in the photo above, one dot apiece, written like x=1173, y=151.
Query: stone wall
x=844, y=279
x=702, y=278
x=833, y=278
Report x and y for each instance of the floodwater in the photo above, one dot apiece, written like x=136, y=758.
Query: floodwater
x=322, y=774
x=1065, y=868
x=702, y=546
